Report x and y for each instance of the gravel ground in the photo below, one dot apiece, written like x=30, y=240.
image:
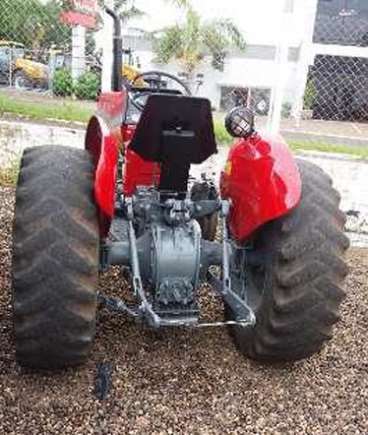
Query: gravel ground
x=184, y=382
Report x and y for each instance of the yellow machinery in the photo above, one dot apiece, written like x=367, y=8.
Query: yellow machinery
x=22, y=72
x=130, y=73
x=31, y=71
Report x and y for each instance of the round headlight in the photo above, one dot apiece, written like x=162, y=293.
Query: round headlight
x=240, y=122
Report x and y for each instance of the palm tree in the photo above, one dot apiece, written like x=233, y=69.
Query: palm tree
x=191, y=41
x=127, y=10
x=180, y=3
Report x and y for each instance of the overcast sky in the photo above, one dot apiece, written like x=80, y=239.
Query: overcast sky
x=259, y=20
x=243, y=12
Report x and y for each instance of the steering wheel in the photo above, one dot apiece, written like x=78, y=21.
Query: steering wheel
x=155, y=81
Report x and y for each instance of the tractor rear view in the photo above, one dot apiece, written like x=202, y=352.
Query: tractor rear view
x=128, y=200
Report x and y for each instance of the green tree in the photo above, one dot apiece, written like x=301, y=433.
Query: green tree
x=33, y=23
x=189, y=42
x=181, y=3
x=56, y=33
x=18, y=18
x=127, y=10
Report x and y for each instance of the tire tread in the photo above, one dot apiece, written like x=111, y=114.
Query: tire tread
x=306, y=269
x=55, y=258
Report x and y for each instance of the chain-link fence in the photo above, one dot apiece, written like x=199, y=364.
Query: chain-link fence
x=332, y=109
x=31, y=36
x=331, y=112
x=35, y=43
x=334, y=88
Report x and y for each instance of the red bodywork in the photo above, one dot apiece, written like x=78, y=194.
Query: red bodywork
x=103, y=140
x=261, y=177
x=262, y=181
x=136, y=171
x=106, y=135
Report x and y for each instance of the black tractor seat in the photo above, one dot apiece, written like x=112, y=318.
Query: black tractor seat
x=175, y=131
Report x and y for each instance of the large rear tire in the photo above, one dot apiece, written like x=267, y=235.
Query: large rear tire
x=55, y=258
x=296, y=293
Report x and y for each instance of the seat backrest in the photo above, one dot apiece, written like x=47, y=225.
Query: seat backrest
x=175, y=130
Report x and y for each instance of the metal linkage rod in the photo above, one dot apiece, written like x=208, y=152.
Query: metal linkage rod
x=153, y=319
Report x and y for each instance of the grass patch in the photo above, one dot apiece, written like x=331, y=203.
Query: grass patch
x=73, y=111
x=42, y=110
x=355, y=151
x=9, y=175
x=222, y=136
x=76, y=111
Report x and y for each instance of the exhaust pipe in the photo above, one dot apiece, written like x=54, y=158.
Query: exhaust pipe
x=117, y=78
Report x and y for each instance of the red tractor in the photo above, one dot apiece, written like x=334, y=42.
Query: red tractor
x=128, y=200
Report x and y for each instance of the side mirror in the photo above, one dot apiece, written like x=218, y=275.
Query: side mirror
x=240, y=122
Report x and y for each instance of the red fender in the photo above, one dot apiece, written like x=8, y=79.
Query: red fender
x=103, y=140
x=262, y=181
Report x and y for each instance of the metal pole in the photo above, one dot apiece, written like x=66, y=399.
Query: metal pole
x=78, y=51
x=10, y=66
x=306, y=58
x=281, y=64
x=117, y=64
x=107, y=49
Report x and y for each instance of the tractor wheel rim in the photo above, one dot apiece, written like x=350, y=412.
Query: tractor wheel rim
x=20, y=83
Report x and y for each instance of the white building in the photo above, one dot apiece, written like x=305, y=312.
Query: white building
x=275, y=32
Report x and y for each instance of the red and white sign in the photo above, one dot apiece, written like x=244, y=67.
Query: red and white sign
x=77, y=19
x=82, y=13
x=88, y=7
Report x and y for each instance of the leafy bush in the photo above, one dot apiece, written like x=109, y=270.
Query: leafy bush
x=62, y=85
x=222, y=136
x=310, y=95
x=87, y=86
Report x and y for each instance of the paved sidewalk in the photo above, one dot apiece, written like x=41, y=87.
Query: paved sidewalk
x=333, y=132
x=15, y=136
